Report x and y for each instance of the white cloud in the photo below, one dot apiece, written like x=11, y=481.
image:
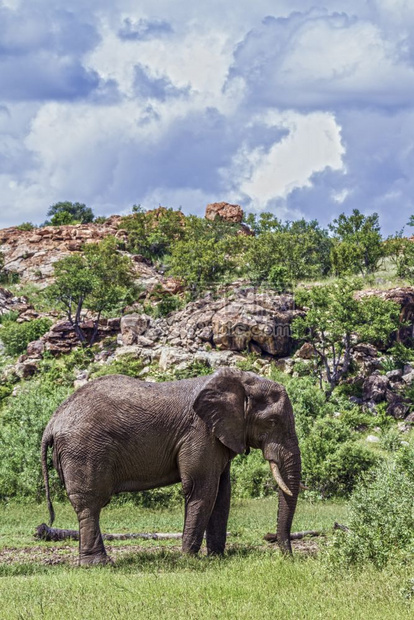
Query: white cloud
x=313, y=143
x=322, y=60
x=212, y=116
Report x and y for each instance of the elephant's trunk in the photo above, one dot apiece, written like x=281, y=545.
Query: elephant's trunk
x=290, y=475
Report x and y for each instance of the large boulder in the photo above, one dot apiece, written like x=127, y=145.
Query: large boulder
x=224, y=211
x=238, y=327
x=133, y=326
x=375, y=388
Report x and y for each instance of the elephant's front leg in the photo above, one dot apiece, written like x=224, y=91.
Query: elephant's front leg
x=217, y=526
x=200, y=496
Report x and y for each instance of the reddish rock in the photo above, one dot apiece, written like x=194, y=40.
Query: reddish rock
x=225, y=212
x=26, y=252
x=36, y=348
x=133, y=326
x=306, y=352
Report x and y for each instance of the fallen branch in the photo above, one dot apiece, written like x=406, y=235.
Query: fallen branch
x=44, y=532
x=272, y=538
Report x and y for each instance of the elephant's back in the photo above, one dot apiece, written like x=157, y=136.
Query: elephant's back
x=108, y=401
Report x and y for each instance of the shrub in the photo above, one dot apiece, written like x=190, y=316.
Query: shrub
x=391, y=439
x=309, y=403
x=124, y=365
x=381, y=521
x=69, y=213
x=26, y=226
x=23, y=421
x=16, y=336
x=278, y=278
x=251, y=477
x=5, y=391
x=331, y=461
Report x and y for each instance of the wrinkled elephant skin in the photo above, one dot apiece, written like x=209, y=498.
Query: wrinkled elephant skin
x=120, y=434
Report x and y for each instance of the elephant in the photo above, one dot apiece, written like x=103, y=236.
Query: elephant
x=119, y=433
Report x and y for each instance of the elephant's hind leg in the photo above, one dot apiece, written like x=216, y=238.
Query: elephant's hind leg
x=91, y=546
x=217, y=526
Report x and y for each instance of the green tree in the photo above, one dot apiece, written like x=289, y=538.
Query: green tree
x=67, y=212
x=199, y=262
x=207, y=251
x=357, y=247
x=400, y=251
x=336, y=321
x=300, y=250
x=100, y=279
x=264, y=222
x=152, y=233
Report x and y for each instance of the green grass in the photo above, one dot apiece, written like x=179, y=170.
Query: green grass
x=153, y=580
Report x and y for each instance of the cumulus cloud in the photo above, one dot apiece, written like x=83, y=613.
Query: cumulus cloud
x=294, y=108
x=144, y=29
x=151, y=87
x=320, y=60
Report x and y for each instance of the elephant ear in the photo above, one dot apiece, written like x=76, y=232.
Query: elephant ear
x=220, y=404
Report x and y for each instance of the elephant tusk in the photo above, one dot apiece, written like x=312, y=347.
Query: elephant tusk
x=303, y=487
x=278, y=477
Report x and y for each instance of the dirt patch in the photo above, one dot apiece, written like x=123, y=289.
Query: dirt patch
x=65, y=554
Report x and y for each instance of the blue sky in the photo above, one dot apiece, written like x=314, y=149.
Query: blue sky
x=302, y=108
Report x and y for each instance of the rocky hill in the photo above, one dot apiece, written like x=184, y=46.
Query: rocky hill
x=217, y=329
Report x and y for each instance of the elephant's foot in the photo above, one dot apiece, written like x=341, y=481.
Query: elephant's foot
x=218, y=553
x=95, y=560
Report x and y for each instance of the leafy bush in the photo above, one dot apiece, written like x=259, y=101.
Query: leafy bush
x=331, y=460
x=5, y=391
x=251, y=477
x=9, y=317
x=124, y=365
x=23, y=421
x=356, y=419
x=381, y=522
x=154, y=498
x=195, y=369
x=167, y=304
x=400, y=354
x=278, y=278
x=25, y=226
x=309, y=403
x=152, y=233
x=391, y=439
x=67, y=212
x=16, y=336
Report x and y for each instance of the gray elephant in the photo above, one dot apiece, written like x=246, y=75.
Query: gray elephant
x=120, y=434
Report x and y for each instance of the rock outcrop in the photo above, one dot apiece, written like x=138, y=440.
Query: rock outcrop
x=11, y=303
x=31, y=253
x=224, y=211
x=242, y=319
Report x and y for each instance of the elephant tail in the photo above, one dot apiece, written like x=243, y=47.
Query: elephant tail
x=47, y=442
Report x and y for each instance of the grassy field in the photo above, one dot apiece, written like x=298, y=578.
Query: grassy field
x=153, y=580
